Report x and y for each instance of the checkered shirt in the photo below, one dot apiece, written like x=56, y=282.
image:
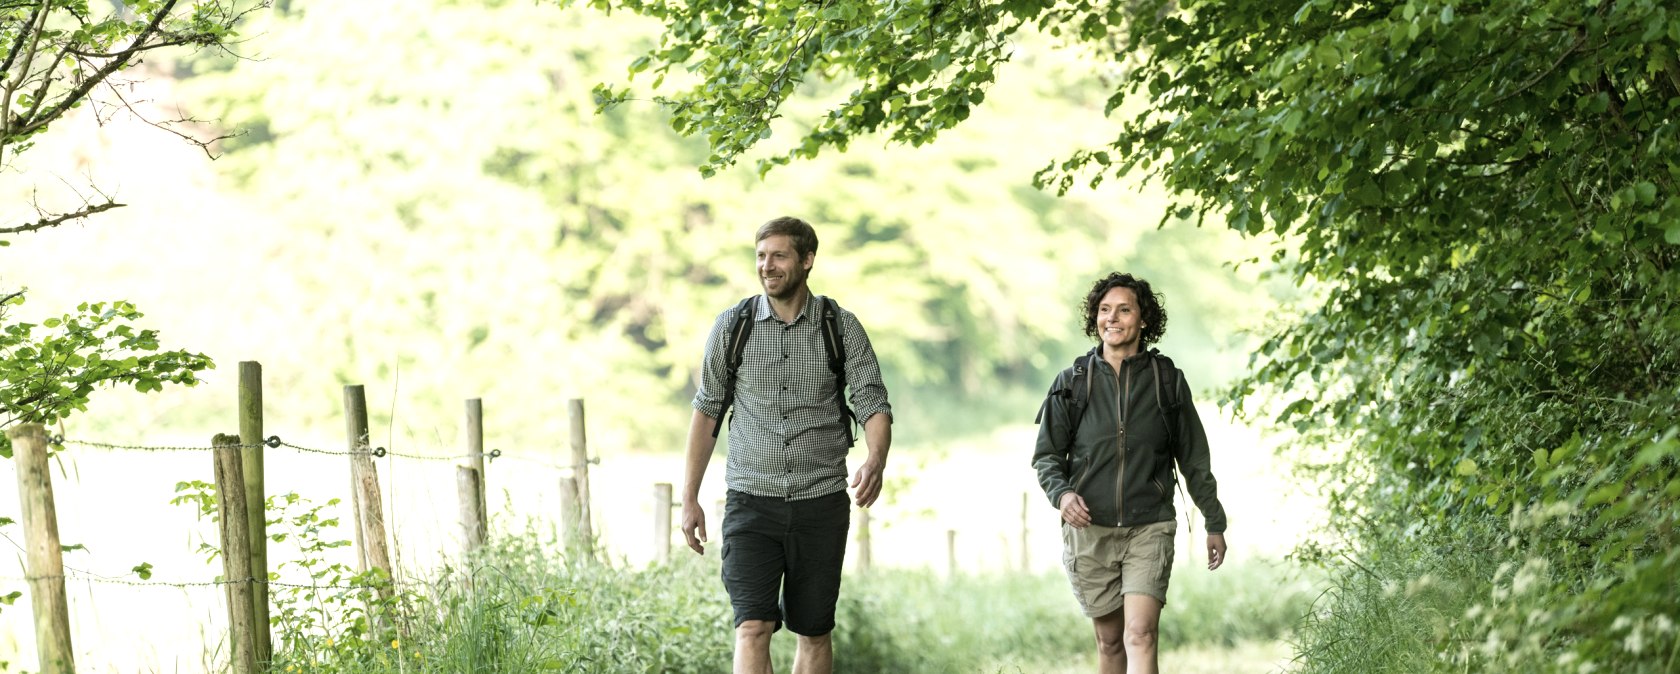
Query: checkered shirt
x=786, y=439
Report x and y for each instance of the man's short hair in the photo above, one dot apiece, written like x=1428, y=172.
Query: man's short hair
x=804, y=237
x=1154, y=312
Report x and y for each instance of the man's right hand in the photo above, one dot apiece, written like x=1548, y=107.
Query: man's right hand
x=694, y=526
x=1074, y=511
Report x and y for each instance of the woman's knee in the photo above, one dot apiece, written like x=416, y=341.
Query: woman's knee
x=1141, y=634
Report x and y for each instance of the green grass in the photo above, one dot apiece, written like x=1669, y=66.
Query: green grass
x=519, y=607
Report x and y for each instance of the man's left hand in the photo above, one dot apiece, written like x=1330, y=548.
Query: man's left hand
x=867, y=482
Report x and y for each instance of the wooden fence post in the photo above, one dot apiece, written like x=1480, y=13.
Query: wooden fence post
x=662, y=522
x=1025, y=498
x=574, y=539
x=580, y=468
x=236, y=552
x=45, y=559
x=951, y=550
x=256, y=502
x=364, y=488
x=865, y=557
x=472, y=519
x=475, y=458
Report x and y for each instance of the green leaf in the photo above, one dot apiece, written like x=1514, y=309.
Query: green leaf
x=144, y=570
x=1605, y=494
x=1465, y=467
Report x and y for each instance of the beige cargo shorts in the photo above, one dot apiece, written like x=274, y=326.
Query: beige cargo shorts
x=1105, y=564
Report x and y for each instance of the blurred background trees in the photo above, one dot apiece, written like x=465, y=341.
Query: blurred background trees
x=431, y=202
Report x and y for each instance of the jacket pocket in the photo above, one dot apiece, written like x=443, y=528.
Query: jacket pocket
x=1161, y=489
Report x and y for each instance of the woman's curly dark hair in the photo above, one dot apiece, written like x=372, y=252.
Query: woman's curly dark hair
x=1149, y=303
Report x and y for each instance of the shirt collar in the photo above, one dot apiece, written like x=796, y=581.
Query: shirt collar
x=809, y=311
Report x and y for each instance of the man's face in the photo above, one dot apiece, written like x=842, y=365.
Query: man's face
x=1119, y=320
x=780, y=269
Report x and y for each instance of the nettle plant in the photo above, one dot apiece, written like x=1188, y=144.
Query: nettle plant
x=332, y=619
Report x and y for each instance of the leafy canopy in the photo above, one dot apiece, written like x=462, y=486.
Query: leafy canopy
x=1484, y=198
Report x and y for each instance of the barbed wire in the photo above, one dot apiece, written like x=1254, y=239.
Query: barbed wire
x=273, y=442
x=73, y=573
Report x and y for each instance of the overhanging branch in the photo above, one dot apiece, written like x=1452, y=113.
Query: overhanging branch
x=56, y=220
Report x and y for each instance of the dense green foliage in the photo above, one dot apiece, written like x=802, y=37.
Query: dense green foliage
x=1485, y=201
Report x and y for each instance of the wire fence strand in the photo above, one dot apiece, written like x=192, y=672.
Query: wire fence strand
x=273, y=442
x=72, y=573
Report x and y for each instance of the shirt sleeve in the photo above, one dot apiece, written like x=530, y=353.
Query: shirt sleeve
x=863, y=371
x=714, y=369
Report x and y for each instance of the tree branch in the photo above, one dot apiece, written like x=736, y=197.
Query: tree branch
x=40, y=20
x=17, y=45
x=56, y=220
x=46, y=82
x=166, y=125
x=81, y=90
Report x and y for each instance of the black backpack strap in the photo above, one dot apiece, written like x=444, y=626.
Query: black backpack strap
x=733, y=350
x=834, y=342
x=1167, y=379
x=1075, y=385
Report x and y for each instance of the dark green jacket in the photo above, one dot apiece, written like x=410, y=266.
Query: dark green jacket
x=1118, y=459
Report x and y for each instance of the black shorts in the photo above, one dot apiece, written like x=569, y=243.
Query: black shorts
x=769, y=542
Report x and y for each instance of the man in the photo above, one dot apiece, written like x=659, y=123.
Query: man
x=787, y=514
x=1109, y=438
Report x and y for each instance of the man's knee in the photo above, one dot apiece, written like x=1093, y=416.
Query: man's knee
x=1141, y=634
x=755, y=630
x=819, y=641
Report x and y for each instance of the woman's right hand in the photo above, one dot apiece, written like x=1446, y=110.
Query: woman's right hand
x=1074, y=511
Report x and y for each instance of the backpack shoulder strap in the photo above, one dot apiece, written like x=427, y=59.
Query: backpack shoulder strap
x=1167, y=378
x=1074, y=383
x=834, y=343
x=739, y=330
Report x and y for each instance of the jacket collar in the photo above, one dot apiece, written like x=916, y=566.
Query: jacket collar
x=1095, y=354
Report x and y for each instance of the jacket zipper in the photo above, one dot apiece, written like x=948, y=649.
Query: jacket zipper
x=1120, y=475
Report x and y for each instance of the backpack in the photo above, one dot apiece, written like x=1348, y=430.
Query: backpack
x=1077, y=389
x=834, y=344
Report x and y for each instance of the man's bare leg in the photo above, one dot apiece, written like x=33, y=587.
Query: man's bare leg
x=1111, y=650
x=1143, y=622
x=752, y=647
x=814, y=656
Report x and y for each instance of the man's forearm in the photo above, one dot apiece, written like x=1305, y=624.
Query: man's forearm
x=700, y=447
x=877, y=436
